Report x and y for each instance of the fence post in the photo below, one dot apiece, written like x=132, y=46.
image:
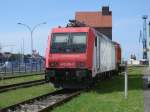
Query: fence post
x=126, y=81
x=40, y=65
x=5, y=69
x=31, y=66
x=12, y=70
x=36, y=66
x=25, y=67
x=19, y=66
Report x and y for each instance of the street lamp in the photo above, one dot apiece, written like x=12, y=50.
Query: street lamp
x=31, y=31
x=149, y=29
x=149, y=44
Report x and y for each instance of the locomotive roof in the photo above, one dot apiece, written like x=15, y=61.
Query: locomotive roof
x=70, y=29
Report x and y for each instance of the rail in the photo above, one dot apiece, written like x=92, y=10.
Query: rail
x=19, y=76
x=21, y=85
x=44, y=102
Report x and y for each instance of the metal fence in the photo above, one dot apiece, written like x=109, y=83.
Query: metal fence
x=12, y=68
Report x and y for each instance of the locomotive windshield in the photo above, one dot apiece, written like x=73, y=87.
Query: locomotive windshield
x=68, y=43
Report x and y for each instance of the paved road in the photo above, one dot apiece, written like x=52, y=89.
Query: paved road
x=146, y=91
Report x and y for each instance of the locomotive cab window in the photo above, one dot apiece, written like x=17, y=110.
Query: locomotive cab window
x=68, y=43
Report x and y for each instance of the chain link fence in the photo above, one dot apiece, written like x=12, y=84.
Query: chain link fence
x=10, y=68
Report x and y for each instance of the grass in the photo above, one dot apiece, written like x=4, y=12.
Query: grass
x=21, y=79
x=108, y=96
x=20, y=74
x=16, y=96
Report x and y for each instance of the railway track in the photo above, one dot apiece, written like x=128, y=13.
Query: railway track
x=43, y=103
x=21, y=85
x=19, y=76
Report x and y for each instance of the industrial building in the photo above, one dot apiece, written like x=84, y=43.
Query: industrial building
x=100, y=20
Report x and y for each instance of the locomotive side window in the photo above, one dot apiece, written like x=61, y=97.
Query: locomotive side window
x=96, y=41
x=69, y=43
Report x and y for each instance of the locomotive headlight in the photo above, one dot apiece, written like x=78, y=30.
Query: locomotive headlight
x=53, y=64
x=80, y=64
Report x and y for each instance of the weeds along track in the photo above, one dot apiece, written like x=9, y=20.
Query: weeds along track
x=21, y=85
x=43, y=103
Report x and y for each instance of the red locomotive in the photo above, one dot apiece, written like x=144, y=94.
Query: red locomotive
x=78, y=56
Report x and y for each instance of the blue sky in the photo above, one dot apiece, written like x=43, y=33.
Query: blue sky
x=127, y=21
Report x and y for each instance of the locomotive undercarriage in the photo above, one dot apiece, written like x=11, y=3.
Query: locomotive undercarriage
x=75, y=78
x=69, y=78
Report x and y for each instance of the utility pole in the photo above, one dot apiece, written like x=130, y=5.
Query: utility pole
x=126, y=81
x=144, y=40
x=149, y=44
x=149, y=31
x=0, y=48
x=108, y=3
x=22, y=51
